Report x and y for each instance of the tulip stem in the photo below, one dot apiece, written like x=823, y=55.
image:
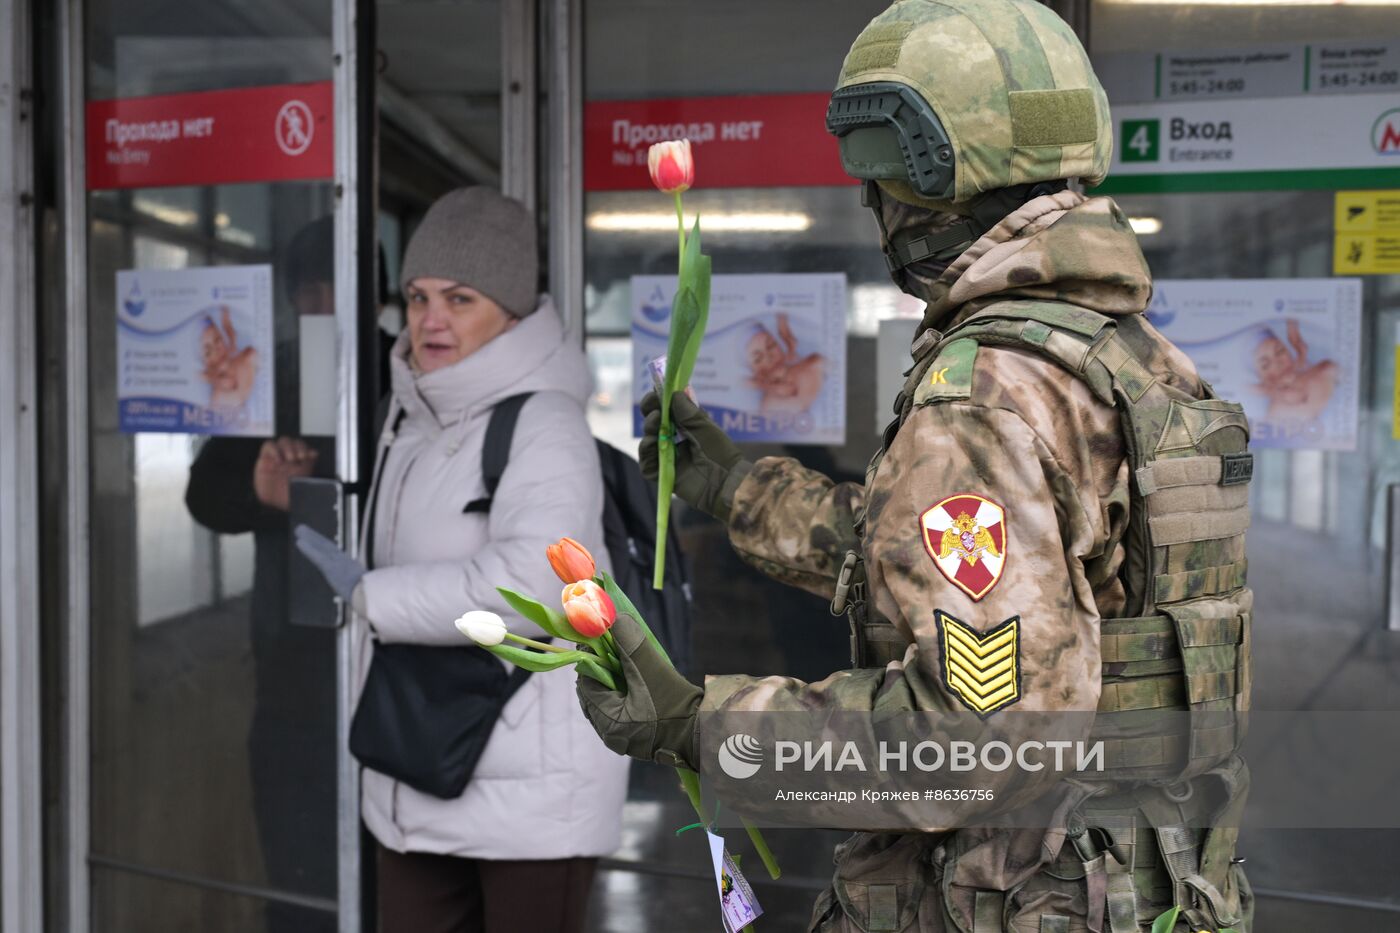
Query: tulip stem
x=690, y=783
x=766, y=854
x=680, y=229
x=535, y=644
x=666, y=451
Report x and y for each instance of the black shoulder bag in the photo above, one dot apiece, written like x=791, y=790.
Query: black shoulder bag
x=426, y=711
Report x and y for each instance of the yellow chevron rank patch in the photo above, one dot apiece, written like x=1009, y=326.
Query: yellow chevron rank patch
x=983, y=671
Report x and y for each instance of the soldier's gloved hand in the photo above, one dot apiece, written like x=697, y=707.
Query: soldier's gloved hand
x=655, y=719
x=709, y=466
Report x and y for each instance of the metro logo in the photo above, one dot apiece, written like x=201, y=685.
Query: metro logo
x=1385, y=134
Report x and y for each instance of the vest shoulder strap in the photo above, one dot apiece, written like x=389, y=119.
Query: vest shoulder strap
x=949, y=376
x=1068, y=335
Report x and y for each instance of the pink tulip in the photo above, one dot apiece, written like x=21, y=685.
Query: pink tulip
x=671, y=166
x=588, y=608
x=571, y=560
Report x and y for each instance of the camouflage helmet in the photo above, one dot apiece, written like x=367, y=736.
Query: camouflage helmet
x=943, y=100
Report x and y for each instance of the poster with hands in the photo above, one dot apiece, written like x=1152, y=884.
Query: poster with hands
x=195, y=350
x=1288, y=350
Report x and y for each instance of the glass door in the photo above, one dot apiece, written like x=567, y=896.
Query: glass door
x=222, y=360
x=1320, y=499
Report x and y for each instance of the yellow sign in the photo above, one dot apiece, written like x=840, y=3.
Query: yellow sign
x=1367, y=233
x=1395, y=403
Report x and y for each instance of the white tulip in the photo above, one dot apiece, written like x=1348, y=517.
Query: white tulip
x=484, y=628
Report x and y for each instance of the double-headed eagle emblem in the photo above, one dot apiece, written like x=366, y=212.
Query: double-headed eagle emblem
x=967, y=539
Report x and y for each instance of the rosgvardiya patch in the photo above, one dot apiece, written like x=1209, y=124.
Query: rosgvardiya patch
x=965, y=535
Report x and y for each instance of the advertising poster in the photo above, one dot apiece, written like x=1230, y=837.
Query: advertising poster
x=1288, y=350
x=195, y=350
x=773, y=364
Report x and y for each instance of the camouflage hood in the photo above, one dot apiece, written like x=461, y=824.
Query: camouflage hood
x=1061, y=247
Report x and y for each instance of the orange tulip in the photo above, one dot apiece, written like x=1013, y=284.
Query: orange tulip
x=671, y=166
x=588, y=608
x=571, y=561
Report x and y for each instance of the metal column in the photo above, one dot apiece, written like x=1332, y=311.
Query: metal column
x=21, y=800
x=347, y=32
x=519, y=101
x=75, y=609
x=564, y=27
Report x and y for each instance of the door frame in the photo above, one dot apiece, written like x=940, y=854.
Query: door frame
x=23, y=862
x=21, y=798
x=545, y=50
x=356, y=278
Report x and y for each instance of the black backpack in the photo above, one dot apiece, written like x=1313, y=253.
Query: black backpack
x=629, y=532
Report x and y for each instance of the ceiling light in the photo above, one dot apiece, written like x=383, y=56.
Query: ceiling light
x=1145, y=226
x=166, y=213
x=710, y=223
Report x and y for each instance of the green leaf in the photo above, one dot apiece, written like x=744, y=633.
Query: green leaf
x=1228, y=930
x=1166, y=921
x=688, y=261
x=551, y=620
x=690, y=352
x=589, y=667
x=685, y=314
x=539, y=661
x=624, y=604
x=689, y=315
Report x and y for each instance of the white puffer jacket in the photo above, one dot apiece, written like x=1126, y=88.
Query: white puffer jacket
x=545, y=787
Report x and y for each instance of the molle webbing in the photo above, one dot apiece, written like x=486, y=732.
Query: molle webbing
x=1184, y=543
x=1190, y=584
x=1175, y=675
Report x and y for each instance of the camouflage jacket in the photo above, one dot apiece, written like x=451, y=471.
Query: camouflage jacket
x=1008, y=504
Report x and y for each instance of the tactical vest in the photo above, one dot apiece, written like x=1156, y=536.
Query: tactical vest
x=1186, y=645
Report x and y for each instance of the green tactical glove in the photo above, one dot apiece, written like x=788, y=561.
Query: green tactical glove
x=709, y=466
x=655, y=719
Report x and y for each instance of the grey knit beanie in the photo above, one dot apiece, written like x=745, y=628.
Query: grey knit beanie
x=479, y=237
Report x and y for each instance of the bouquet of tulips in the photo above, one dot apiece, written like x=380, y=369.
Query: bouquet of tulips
x=591, y=602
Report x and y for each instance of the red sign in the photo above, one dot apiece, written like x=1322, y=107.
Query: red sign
x=276, y=133
x=762, y=141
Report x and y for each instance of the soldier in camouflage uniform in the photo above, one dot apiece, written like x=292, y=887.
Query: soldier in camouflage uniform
x=1055, y=521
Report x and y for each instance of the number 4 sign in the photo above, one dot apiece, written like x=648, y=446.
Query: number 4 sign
x=1141, y=140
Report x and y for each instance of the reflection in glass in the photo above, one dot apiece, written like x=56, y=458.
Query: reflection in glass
x=213, y=750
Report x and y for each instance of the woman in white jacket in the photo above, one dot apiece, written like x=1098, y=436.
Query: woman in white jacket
x=517, y=850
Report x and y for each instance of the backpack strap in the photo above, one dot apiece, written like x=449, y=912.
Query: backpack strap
x=495, y=455
x=384, y=439
x=495, y=450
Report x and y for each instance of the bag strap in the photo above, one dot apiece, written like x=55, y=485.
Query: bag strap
x=495, y=450
x=500, y=431
x=386, y=440
x=495, y=455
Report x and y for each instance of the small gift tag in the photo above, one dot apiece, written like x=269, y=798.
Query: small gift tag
x=737, y=903
x=657, y=369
